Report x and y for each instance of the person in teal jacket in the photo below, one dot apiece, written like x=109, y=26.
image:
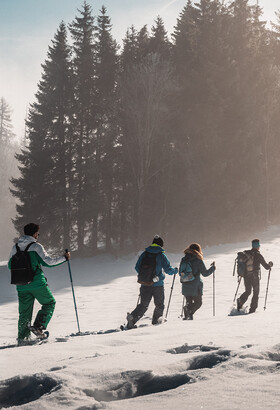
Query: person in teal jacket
x=38, y=288
x=191, y=267
x=156, y=290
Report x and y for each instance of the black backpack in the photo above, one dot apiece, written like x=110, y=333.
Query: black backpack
x=147, y=269
x=245, y=263
x=21, y=268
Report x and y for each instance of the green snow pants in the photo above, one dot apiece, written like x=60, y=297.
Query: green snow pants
x=26, y=300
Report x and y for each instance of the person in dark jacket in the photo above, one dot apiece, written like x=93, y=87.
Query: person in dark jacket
x=252, y=277
x=191, y=267
x=154, y=290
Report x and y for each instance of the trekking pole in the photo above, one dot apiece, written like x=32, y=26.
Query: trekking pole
x=267, y=289
x=235, y=262
x=239, y=280
x=214, y=291
x=138, y=300
x=170, y=296
x=182, y=312
x=70, y=274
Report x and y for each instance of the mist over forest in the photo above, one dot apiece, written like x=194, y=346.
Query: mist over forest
x=175, y=134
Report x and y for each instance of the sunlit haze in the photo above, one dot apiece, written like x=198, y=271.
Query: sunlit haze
x=27, y=28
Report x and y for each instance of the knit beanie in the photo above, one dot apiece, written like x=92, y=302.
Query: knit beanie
x=158, y=241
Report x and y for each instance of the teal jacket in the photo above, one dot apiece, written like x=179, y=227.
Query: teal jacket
x=38, y=257
x=194, y=287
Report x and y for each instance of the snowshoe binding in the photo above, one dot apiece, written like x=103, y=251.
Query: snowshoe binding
x=130, y=323
x=239, y=305
x=39, y=332
x=187, y=314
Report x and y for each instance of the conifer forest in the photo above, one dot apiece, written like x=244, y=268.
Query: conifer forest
x=176, y=134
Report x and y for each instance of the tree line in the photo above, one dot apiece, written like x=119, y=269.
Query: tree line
x=175, y=135
x=8, y=148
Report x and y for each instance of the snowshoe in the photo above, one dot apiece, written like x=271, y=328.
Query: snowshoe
x=125, y=327
x=240, y=312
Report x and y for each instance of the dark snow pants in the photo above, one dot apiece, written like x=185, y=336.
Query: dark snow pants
x=146, y=294
x=251, y=281
x=26, y=299
x=193, y=303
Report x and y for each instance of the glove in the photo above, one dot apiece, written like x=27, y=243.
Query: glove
x=176, y=270
x=270, y=264
x=213, y=264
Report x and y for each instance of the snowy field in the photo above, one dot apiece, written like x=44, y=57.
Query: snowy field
x=222, y=362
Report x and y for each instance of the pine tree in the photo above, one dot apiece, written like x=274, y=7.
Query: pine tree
x=145, y=89
x=82, y=30
x=250, y=96
x=6, y=128
x=202, y=62
x=270, y=115
x=44, y=187
x=129, y=53
x=143, y=43
x=159, y=42
x=106, y=68
x=8, y=147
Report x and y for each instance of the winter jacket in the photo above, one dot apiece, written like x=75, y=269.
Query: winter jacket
x=38, y=257
x=194, y=287
x=162, y=263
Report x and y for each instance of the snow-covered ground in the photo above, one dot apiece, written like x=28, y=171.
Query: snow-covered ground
x=221, y=362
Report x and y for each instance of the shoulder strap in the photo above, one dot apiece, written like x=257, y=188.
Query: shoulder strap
x=28, y=246
x=150, y=253
x=248, y=252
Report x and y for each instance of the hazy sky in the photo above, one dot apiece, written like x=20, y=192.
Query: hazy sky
x=28, y=26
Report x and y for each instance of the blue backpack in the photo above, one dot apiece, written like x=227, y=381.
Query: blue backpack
x=186, y=275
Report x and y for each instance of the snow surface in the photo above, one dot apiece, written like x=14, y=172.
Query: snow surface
x=221, y=362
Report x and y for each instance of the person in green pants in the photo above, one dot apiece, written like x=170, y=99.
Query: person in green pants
x=38, y=288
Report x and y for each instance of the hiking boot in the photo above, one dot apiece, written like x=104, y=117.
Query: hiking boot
x=188, y=317
x=158, y=321
x=251, y=311
x=23, y=342
x=187, y=313
x=130, y=321
x=239, y=304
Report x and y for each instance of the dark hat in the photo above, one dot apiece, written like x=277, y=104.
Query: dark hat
x=158, y=241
